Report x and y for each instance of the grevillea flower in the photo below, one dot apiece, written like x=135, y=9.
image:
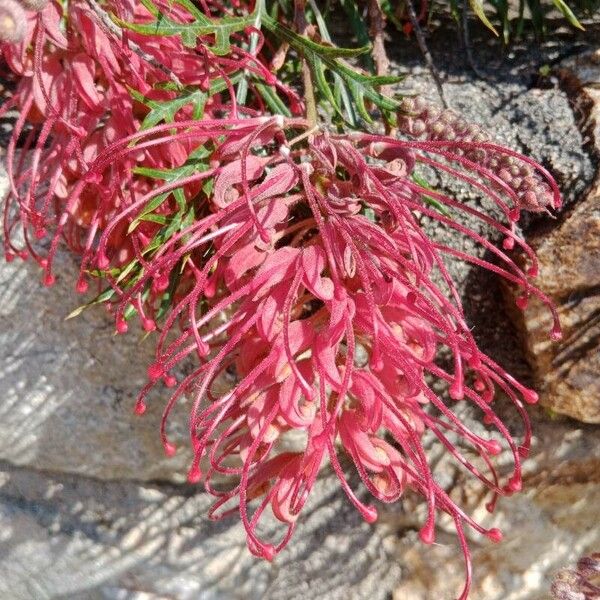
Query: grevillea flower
x=291, y=259
x=330, y=316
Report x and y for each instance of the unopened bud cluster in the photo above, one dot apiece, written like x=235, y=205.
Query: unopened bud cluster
x=13, y=19
x=580, y=583
x=423, y=120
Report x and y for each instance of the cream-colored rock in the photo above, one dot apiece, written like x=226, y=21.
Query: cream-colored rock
x=546, y=527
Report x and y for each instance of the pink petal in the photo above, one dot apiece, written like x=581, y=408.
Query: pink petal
x=84, y=70
x=313, y=263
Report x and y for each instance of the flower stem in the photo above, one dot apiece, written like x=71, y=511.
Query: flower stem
x=309, y=88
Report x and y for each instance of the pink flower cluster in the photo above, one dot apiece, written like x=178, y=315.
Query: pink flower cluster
x=75, y=90
x=290, y=258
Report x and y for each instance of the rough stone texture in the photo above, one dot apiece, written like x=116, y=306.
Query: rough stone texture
x=68, y=387
x=77, y=538
x=547, y=526
x=566, y=373
x=92, y=511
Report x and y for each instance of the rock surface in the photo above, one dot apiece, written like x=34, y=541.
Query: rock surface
x=90, y=509
x=566, y=373
x=547, y=526
x=77, y=538
x=68, y=387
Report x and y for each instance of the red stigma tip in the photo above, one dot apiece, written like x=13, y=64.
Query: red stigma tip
x=170, y=449
x=267, y=551
x=522, y=301
x=9, y=257
x=122, y=326
x=514, y=485
x=148, y=325
x=194, y=474
x=170, y=381
x=530, y=396
x=508, y=243
x=369, y=514
x=427, y=533
x=102, y=262
x=456, y=391
x=494, y=447
x=488, y=419
x=82, y=286
x=479, y=385
x=161, y=283
x=49, y=279
x=494, y=534
x=140, y=408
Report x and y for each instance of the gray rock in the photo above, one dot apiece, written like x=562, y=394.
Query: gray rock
x=548, y=525
x=69, y=387
x=73, y=537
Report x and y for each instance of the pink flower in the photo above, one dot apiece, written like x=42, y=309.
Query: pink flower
x=296, y=263
x=331, y=319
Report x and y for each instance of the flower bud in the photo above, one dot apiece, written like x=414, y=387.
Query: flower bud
x=418, y=128
x=13, y=22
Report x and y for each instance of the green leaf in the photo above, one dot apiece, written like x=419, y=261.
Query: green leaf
x=272, y=99
x=322, y=58
x=568, y=13
x=342, y=96
x=222, y=29
x=477, y=7
x=429, y=200
x=167, y=109
x=149, y=208
x=104, y=296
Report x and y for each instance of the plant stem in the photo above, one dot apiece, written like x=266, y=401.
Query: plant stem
x=377, y=27
x=425, y=50
x=466, y=38
x=309, y=88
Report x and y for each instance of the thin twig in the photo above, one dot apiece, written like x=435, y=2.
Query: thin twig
x=466, y=38
x=425, y=50
x=113, y=28
x=377, y=29
x=380, y=57
x=309, y=89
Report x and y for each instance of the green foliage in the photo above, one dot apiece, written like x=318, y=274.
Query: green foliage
x=346, y=82
x=222, y=29
x=508, y=18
